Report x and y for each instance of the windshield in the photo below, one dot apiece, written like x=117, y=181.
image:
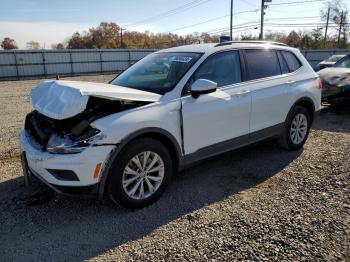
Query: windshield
x=157, y=72
x=334, y=58
x=344, y=62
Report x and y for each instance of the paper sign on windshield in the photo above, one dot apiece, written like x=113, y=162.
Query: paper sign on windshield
x=181, y=59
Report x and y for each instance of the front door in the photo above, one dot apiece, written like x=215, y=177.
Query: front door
x=215, y=122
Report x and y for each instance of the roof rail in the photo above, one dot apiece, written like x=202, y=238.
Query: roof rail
x=250, y=42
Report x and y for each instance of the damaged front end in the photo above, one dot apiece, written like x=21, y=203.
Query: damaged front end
x=74, y=134
x=63, y=111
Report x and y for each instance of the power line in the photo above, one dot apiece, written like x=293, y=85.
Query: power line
x=298, y=2
x=252, y=22
x=293, y=18
x=224, y=29
x=292, y=12
x=210, y=20
x=235, y=27
x=257, y=21
x=291, y=24
x=200, y=23
x=166, y=12
x=234, y=32
x=249, y=3
x=171, y=12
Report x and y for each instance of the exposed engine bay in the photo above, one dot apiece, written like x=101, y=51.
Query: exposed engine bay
x=45, y=130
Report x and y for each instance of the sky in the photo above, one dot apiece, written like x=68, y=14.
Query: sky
x=48, y=21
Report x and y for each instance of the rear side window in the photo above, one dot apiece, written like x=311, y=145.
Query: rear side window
x=223, y=68
x=291, y=60
x=262, y=63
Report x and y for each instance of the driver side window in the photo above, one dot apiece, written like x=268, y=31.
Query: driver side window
x=222, y=68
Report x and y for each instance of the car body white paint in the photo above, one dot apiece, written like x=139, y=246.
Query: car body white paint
x=83, y=164
x=230, y=112
x=64, y=99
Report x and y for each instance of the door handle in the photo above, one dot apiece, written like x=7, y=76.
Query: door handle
x=243, y=92
x=290, y=82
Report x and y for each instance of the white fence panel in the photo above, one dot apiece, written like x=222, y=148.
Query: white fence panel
x=17, y=64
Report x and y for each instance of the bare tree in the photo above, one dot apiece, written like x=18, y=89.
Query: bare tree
x=57, y=46
x=338, y=11
x=78, y=41
x=293, y=39
x=33, y=45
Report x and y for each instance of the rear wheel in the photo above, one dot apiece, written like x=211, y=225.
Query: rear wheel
x=140, y=174
x=297, y=129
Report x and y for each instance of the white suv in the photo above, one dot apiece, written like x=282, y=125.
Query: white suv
x=170, y=110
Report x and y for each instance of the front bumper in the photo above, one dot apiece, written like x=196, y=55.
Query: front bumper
x=332, y=92
x=37, y=163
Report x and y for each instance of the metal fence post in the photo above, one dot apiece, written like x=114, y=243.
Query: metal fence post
x=305, y=55
x=44, y=63
x=129, y=53
x=101, y=65
x=16, y=64
x=71, y=63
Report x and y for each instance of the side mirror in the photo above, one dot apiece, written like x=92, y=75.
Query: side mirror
x=202, y=86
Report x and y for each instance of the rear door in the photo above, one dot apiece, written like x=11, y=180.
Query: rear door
x=213, y=121
x=269, y=89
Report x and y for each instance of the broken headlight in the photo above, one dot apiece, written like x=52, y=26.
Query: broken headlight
x=70, y=144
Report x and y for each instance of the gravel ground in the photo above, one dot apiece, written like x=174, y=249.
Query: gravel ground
x=260, y=203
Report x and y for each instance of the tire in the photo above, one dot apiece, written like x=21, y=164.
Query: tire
x=126, y=174
x=294, y=140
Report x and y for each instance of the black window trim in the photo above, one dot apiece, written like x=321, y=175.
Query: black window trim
x=242, y=64
x=282, y=60
x=300, y=63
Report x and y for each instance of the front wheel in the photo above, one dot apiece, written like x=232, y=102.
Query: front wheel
x=140, y=174
x=296, y=129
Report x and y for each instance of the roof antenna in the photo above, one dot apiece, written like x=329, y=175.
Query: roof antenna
x=57, y=77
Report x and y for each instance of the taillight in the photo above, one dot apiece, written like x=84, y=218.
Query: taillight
x=319, y=83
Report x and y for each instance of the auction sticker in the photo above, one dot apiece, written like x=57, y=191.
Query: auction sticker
x=181, y=59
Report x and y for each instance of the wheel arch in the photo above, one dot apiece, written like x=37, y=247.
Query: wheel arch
x=308, y=104
x=159, y=134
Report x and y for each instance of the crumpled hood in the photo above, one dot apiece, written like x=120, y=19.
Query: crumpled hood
x=335, y=76
x=64, y=99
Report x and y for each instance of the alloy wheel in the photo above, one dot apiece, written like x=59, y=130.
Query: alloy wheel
x=143, y=175
x=298, y=129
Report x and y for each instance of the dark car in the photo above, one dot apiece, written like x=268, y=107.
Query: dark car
x=336, y=80
x=329, y=62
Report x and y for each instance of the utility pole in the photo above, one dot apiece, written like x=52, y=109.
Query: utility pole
x=263, y=7
x=121, y=37
x=325, y=33
x=262, y=12
x=231, y=20
x=340, y=25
